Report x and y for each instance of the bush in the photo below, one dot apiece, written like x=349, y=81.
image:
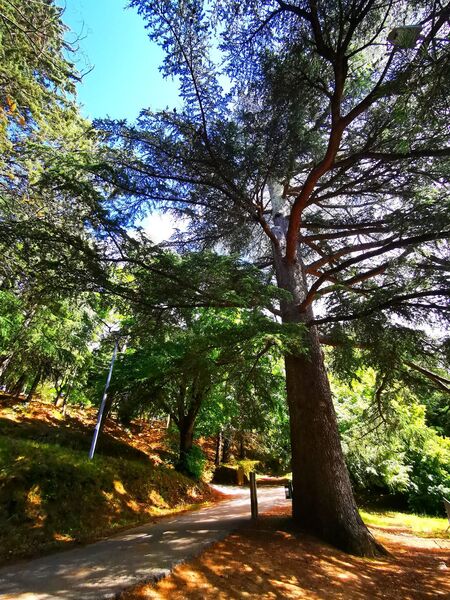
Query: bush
x=192, y=463
x=402, y=456
x=430, y=476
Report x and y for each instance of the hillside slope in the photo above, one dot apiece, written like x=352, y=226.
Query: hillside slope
x=52, y=495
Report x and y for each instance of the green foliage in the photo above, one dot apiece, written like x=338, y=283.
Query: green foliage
x=11, y=318
x=438, y=411
x=37, y=79
x=193, y=463
x=219, y=366
x=275, y=442
x=248, y=466
x=50, y=202
x=430, y=474
x=50, y=340
x=390, y=447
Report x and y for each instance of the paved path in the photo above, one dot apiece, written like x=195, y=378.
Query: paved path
x=103, y=569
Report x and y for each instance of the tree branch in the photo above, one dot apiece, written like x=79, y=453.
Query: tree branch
x=396, y=300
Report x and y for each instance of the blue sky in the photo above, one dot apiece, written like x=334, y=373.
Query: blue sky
x=125, y=76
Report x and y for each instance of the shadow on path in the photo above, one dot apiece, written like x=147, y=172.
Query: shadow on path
x=148, y=552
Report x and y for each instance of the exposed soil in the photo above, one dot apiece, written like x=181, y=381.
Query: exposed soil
x=268, y=560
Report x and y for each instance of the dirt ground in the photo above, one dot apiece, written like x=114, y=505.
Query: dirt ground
x=268, y=561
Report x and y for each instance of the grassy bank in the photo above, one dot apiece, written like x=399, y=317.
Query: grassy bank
x=52, y=496
x=420, y=525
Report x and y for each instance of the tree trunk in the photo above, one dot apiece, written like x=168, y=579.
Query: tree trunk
x=18, y=386
x=241, y=445
x=59, y=392
x=187, y=415
x=226, y=449
x=186, y=428
x=219, y=448
x=323, y=501
x=6, y=361
x=186, y=435
x=68, y=391
x=34, y=385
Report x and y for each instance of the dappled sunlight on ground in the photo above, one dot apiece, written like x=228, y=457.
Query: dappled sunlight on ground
x=52, y=496
x=268, y=560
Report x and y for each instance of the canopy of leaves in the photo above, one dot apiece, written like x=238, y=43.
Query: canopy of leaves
x=325, y=122
x=218, y=357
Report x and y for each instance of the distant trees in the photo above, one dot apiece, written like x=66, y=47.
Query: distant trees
x=208, y=362
x=44, y=342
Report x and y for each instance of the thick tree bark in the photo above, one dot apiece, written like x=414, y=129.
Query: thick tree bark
x=185, y=420
x=323, y=500
x=186, y=435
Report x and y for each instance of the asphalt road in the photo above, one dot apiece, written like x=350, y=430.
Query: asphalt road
x=148, y=552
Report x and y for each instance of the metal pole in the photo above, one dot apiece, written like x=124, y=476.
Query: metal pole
x=103, y=403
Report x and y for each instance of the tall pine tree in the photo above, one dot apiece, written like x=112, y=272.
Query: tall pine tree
x=326, y=160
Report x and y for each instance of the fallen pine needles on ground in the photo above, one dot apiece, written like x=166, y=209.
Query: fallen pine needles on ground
x=267, y=560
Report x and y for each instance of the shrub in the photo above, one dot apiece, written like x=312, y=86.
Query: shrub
x=402, y=455
x=192, y=463
x=430, y=476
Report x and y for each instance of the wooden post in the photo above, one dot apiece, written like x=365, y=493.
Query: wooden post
x=253, y=495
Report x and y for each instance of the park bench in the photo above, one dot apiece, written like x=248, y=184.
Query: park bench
x=447, y=508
